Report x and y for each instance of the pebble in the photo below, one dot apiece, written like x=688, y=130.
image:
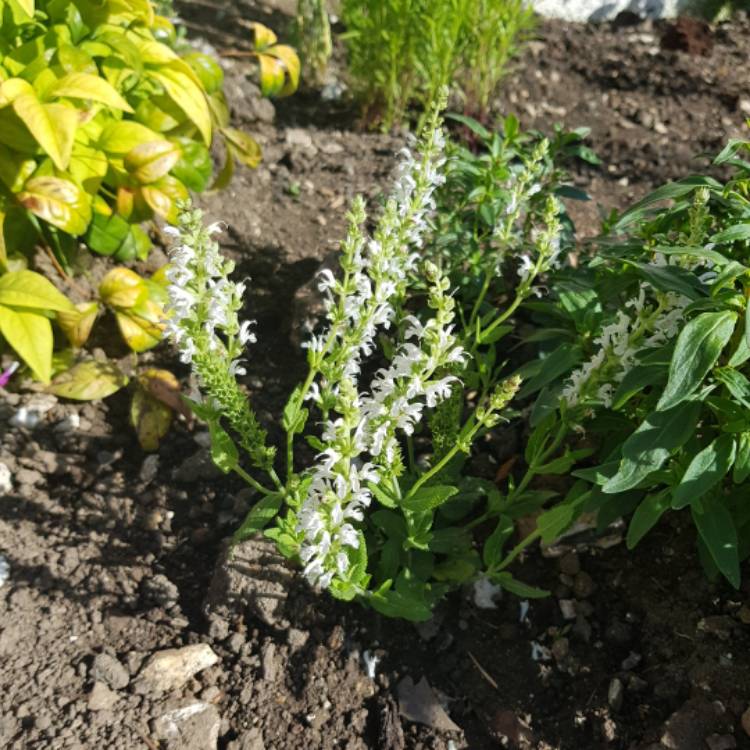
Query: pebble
x=32, y=413
x=268, y=661
x=560, y=649
x=631, y=661
x=615, y=694
x=583, y=585
x=568, y=609
x=721, y=742
x=149, y=469
x=485, y=593
x=110, y=671
x=570, y=564
x=69, y=424
x=745, y=721
x=29, y=476
x=4, y=571
x=101, y=698
x=173, y=667
x=6, y=480
x=191, y=727
x=235, y=642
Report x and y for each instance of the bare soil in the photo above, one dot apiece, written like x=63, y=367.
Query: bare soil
x=115, y=552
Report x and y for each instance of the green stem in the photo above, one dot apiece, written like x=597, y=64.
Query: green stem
x=516, y=551
x=252, y=482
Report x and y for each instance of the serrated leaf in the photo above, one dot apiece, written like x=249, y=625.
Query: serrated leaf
x=260, y=515
x=90, y=380
x=520, y=589
x=59, y=202
x=708, y=467
x=76, y=324
x=87, y=86
x=428, y=498
x=223, y=450
x=29, y=333
x=29, y=289
x=716, y=527
x=698, y=347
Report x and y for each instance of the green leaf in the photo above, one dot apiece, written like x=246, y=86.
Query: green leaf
x=692, y=252
x=698, y=347
x=90, y=380
x=59, y=202
x=646, y=515
x=223, y=450
x=560, y=361
x=396, y=604
x=260, y=515
x=106, y=234
x=194, y=167
x=706, y=470
x=636, y=380
x=717, y=530
x=741, y=469
x=30, y=289
x=646, y=450
x=383, y=497
x=671, y=279
x=523, y=590
x=186, y=94
x=732, y=234
x=91, y=87
x=30, y=334
x=554, y=521
x=737, y=384
x=492, y=551
x=428, y=498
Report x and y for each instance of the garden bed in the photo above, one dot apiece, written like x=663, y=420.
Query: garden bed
x=112, y=551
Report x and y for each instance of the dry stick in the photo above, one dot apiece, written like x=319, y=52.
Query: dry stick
x=483, y=671
x=61, y=271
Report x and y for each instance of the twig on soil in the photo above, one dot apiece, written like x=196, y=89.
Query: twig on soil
x=483, y=671
x=151, y=744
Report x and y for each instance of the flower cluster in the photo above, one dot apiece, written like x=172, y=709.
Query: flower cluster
x=361, y=445
x=204, y=325
x=640, y=326
x=376, y=270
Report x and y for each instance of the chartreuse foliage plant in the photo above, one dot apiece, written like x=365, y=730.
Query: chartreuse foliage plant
x=105, y=122
x=401, y=53
x=646, y=365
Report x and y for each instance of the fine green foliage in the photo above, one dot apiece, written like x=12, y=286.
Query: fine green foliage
x=402, y=53
x=314, y=40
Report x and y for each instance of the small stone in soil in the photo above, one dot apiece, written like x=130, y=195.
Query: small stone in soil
x=583, y=585
x=6, y=480
x=173, y=667
x=101, y=697
x=615, y=694
x=631, y=661
x=269, y=661
x=570, y=564
x=160, y=590
x=108, y=670
x=568, y=609
x=721, y=742
x=192, y=727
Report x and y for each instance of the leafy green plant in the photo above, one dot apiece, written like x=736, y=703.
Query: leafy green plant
x=401, y=53
x=653, y=332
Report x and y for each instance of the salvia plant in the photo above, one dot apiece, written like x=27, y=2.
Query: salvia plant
x=645, y=367
x=401, y=53
x=380, y=514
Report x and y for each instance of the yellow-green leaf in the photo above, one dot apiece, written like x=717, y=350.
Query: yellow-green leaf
x=148, y=162
x=151, y=419
x=27, y=6
x=245, y=148
x=263, y=36
x=76, y=324
x=58, y=201
x=164, y=386
x=227, y=171
x=139, y=334
x=272, y=75
x=89, y=380
x=152, y=52
x=186, y=94
x=122, y=288
x=91, y=87
x=291, y=64
x=3, y=251
x=15, y=169
x=163, y=197
x=30, y=289
x=30, y=334
x=123, y=136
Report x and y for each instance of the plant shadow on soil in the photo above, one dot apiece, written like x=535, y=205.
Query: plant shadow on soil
x=106, y=557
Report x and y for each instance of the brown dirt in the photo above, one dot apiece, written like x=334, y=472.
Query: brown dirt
x=109, y=555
